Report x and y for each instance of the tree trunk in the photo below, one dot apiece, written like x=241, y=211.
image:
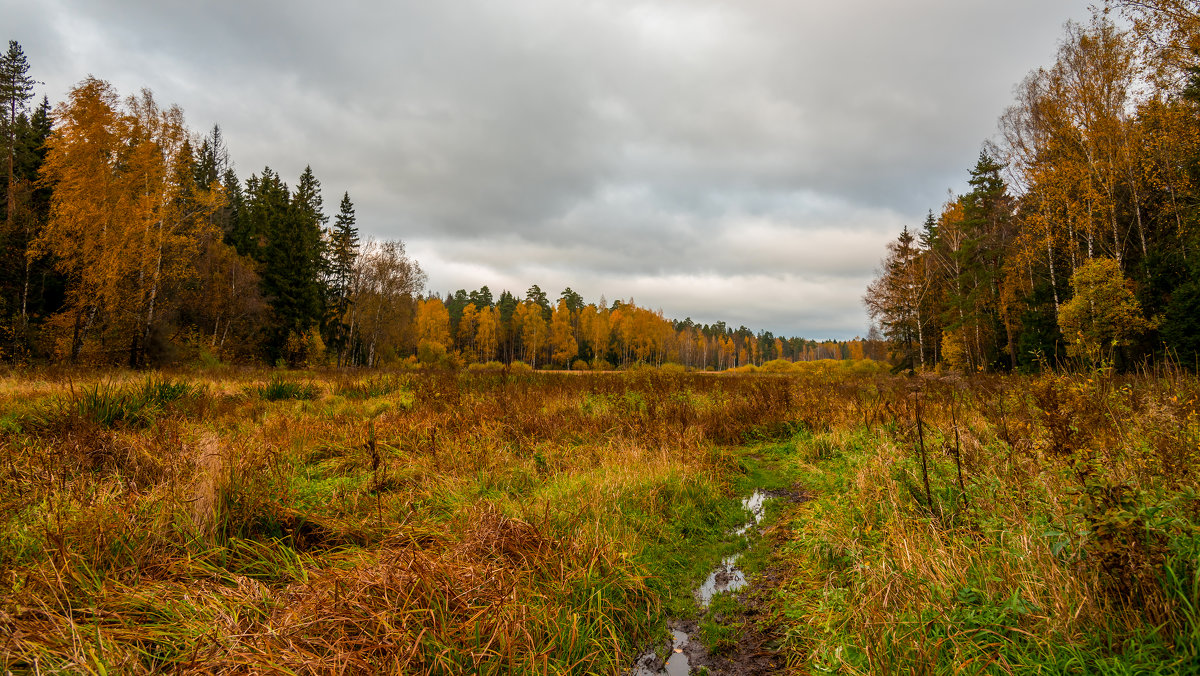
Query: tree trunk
x=153, y=289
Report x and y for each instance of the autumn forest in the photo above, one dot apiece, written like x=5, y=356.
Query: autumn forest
x=1079, y=238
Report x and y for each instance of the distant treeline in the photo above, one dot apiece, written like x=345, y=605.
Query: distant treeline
x=474, y=327
x=129, y=239
x=1080, y=237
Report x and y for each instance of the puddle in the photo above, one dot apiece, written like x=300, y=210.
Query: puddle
x=726, y=578
x=649, y=664
x=755, y=504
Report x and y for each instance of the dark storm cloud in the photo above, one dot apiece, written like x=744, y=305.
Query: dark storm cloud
x=739, y=160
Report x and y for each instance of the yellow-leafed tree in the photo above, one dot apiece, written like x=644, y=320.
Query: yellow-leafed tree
x=1103, y=315
x=562, y=338
x=467, y=326
x=126, y=220
x=528, y=321
x=595, y=327
x=433, y=323
x=487, y=335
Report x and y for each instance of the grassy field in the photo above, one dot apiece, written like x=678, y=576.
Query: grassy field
x=1057, y=531
x=260, y=521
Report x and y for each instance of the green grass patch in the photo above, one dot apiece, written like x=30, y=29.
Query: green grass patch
x=108, y=406
x=278, y=389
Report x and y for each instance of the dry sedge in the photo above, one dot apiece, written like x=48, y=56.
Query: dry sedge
x=426, y=523
x=485, y=522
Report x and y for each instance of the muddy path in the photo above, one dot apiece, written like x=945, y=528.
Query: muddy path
x=734, y=629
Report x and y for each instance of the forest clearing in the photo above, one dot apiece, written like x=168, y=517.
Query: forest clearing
x=903, y=426
x=268, y=521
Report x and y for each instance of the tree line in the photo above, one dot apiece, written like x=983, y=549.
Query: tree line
x=1079, y=238
x=130, y=239
x=474, y=327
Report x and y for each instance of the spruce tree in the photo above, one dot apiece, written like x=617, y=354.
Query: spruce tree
x=228, y=214
x=289, y=225
x=23, y=138
x=455, y=304
x=343, y=254
x=506, y=306
x=343, y=250
x=16, y=88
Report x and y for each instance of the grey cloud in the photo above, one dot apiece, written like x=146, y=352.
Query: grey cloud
x=629, y=145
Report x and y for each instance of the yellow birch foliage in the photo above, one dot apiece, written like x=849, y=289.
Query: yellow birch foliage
x=126, y=221
x=528, y=320
x=1103, y=314
x=487, y=335
x=596, y=330
x=562, y=338
x=84, y=232
x=467, y=326
x=433, y=322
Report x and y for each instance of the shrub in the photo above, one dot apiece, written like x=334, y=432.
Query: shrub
x=778, y=366
x=278, y=389
x=369, y=388
x=304, y=349
x=431, y=354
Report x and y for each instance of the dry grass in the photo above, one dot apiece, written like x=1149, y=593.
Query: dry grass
x=428, y=523
x=1072, y=550
x=531, y=523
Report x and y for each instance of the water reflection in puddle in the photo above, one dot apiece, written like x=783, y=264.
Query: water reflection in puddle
x=676, y=665
x=755, y=505
x=726, y=578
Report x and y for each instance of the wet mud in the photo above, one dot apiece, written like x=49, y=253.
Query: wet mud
x=753, y=653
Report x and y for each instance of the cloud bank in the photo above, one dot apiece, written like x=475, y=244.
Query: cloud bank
x=741, y=161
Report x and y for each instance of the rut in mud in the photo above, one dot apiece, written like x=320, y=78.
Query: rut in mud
x=747, y=652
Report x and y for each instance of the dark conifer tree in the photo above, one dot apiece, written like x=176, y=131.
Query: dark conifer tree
x=928, y=237
x=25, y=206
x=574, y=300
x=292, y=254
x=16, y=88
x=538, y=297
x=506, y=305
x=343, y=254
x=481, y=298
x=455, y=304
x=282, y=233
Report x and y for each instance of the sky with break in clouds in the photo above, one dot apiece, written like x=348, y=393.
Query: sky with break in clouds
x=742, y=160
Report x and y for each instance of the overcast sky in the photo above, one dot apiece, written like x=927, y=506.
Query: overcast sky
x=743, y=161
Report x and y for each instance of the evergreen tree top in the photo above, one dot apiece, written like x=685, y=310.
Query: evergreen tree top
x=16, y=87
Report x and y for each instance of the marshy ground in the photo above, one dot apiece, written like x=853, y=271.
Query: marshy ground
x=256, y=521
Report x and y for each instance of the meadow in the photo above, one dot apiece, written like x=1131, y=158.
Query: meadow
x=231, y=520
